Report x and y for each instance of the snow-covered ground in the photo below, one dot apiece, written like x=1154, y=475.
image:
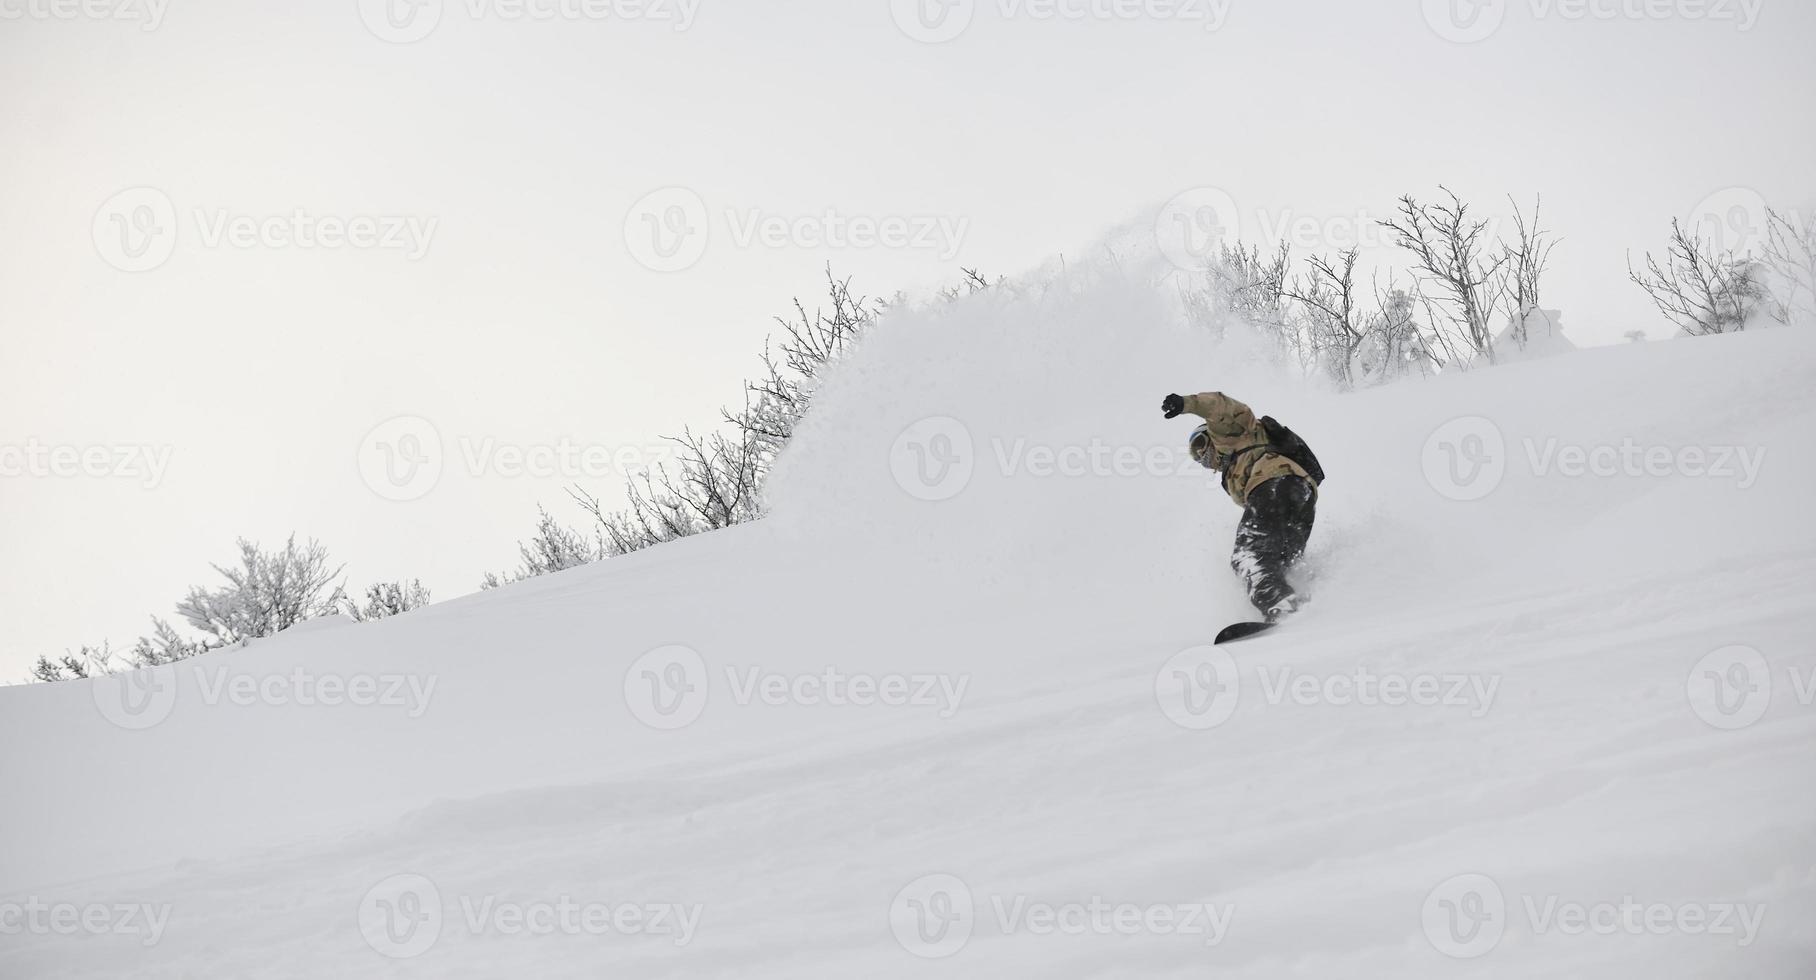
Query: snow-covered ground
x=950, y=711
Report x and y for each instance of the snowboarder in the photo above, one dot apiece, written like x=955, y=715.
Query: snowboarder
x=1272, y=475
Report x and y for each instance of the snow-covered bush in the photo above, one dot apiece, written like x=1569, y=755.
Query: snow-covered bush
x=165, y=645
x=717, y=478
x=552, y=548
x=266, y=592
x=388, y=599
x=87, y=661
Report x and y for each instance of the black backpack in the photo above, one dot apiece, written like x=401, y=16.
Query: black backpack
x=1287, y=443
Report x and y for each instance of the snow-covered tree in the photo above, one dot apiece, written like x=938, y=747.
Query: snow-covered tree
x=1524, y=260
x=1392, y=345
x=1789, y=256
x=1248, y=287
x=1466, y=275
x=1335, y=321
x=1702, y=289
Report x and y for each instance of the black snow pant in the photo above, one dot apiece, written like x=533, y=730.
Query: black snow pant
x=1275, y=526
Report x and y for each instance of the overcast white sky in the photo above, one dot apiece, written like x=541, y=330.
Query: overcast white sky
x=476, y=177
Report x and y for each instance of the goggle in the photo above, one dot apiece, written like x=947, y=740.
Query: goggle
x=1201, y=448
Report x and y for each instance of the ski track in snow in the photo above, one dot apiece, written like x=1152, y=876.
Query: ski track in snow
x=1063, y=777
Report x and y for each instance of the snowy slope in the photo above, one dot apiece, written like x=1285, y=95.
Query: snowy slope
x=1599, y=694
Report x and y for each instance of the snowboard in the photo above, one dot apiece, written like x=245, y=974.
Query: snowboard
x=1238, y=631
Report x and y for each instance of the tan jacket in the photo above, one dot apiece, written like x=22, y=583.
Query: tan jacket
x=1237, y=435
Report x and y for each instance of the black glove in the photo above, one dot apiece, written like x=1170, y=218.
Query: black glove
x=1172, y=405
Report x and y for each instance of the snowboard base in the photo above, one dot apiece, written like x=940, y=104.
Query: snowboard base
x=1237, y=631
